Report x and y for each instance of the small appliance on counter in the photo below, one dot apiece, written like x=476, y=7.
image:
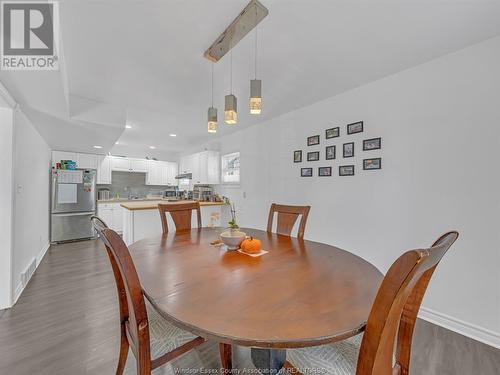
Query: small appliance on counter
x=72, y=205
x=103, y=194
x=171, y=192
x=203, y=193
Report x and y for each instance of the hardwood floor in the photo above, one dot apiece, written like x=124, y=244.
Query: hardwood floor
x=66, y=322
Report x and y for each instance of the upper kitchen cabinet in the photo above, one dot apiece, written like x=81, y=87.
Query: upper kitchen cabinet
x=209, y=162
x=204, y=167
x=57, y=156
x=87, y=161
x=172, y=171
x=104, y=170
x=161, y=173
x=129, y=165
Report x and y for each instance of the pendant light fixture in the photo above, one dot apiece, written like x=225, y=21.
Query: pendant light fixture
x=212, y=112
x=255, y=102
x=230, y=105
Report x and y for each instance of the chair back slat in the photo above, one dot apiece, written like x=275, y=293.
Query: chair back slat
x=394, y=311
x=181, y=215
x=287, y=217
x=131, y=299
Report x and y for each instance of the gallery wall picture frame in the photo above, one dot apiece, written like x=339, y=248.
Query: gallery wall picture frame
x=348, y=150
x=332, y=132
x=355, y=127
x=297, y=156
x=346, y=170
x=330, y=152
x=325, y=171
x=372, y=144
x=313, y=156
x=372, y=164
x=313, y=140
x=306, y=172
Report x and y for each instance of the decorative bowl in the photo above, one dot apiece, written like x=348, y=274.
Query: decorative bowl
x=232, y=238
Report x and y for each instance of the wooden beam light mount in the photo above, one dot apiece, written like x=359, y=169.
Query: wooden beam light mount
x=245, y=22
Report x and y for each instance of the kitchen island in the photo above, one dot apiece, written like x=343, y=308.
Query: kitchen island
x=142, y=219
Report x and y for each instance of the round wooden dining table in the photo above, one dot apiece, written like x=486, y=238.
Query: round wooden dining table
x=299, y=294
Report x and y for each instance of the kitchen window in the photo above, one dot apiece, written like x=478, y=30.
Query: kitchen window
x=231, y=168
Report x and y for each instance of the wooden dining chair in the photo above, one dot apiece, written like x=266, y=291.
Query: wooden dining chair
x=392, y=320
x=181, y=215
x=152, y=340
x=287, y=216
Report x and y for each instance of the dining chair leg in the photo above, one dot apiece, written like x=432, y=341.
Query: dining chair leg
x=122, y=359
x=226, y=357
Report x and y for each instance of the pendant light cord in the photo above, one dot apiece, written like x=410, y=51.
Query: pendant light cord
x=256, y=42
x=212, y=84
x=231, y=72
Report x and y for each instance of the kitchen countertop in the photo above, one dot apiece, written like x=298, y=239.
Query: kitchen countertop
x=153, y=204
x=123, y=200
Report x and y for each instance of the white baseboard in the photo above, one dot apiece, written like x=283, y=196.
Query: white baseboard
x=475, y=332
x=41, y=254
x=19, y=287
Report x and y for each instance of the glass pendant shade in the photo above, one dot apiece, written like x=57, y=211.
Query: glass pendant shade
x=255, y=96
x=212, y=120
x=230, y=110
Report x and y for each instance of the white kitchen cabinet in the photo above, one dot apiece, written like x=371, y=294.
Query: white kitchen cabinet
x=120, y=164
x=157, y=173
x=161, y=173
x=117, y=218
x=129, y=165
x=204, y=167
x=57, y=156
x=209, y=168
x=104, y=170
x=87, y=161
x=172, y=171
x=138, y=165
x=112, y=215
x=105, y=212
x=191, y=164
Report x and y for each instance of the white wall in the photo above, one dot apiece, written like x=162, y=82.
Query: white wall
x=440, y=129
x=31, y=207
x=6, y=206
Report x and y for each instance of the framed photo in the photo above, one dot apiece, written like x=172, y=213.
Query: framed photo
x=372, y=144
x=324, y=171
x=330, y=152
x=313, y=140
x=313, y=156
x=332, y=133
x=369, y=164
x=346, y=170
x=297, y=156
x=355, y=127
x=306, y=172
x=348, y=150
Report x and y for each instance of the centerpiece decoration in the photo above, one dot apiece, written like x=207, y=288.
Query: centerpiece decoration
x=251, y=245
x=233, y=237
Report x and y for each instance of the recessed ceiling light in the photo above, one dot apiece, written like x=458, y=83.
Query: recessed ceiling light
x=152, y=147
x=128, y=126
x=97, y=146
x=173, y=135
x=117, y=143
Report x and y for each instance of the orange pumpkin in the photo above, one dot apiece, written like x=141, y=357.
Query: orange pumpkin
x=251, y=245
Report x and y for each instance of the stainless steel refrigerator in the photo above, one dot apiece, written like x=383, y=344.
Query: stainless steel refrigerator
x=73, y=203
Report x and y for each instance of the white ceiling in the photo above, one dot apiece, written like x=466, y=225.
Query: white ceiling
x=141, y=63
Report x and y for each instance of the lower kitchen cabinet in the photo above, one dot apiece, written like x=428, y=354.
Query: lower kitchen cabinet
x=112, y=215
